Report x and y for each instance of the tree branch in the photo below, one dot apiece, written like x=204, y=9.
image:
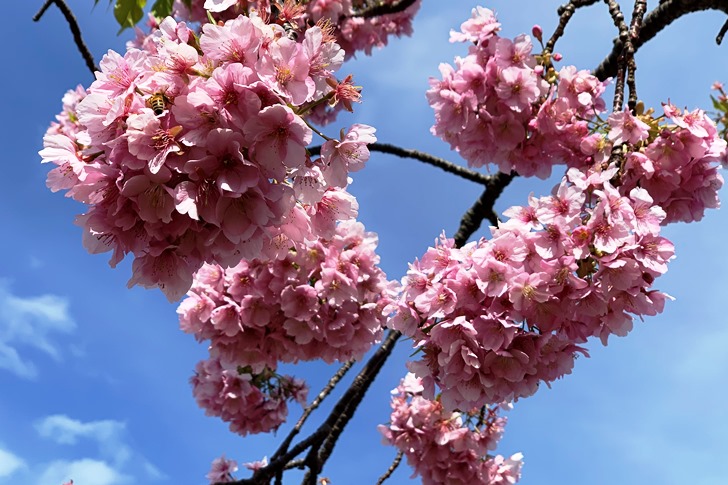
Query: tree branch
x=329, y=431
x=75, y=30
x=441, y=163
x=565, y=12
x=312, y=407
x=347, y=404
x=623, y=57
x=392, y=467
x=483, y=208
x=659, y=18
x=264, y=474
x=381, y=8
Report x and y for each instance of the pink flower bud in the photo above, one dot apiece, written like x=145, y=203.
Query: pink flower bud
x=557, y=57
x=537, y=32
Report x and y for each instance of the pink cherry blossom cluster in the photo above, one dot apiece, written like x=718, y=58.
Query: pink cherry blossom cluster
x=353, y=32
x=502, y=105
x=447, y=447
x=194, y=150
x=322, y=301
x=678, y=165
x=251, y=401
x=494, y=319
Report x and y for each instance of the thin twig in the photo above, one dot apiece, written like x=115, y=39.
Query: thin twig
x=345, y=407
x=75, y=30
x=638, y=14
x=721, y=34
x=565, y=13
x=624, y=41
x=392, y=467
x=263, y=475
x=483, y=208
x=659, y=18
x=312, y=407
x=441, y=163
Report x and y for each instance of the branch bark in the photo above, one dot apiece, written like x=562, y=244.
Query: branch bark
x=483, y=207
x=385, y=9
x=423, y=157
x=659, y=18
x=75, y=30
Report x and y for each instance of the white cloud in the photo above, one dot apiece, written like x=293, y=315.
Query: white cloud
x=9, y=463
x=117, y=461
x=108, y=434
x=29, y=322
x=83, y=472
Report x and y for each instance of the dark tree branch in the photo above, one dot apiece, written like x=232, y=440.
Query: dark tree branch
x=441, y=163
x=483, y=208
x=392, y=467
x=380, y=8
x=565, y=13
x=329, y=431
x=75, y=30
x=638, y=14
x=347, y=404
x=265, y=474
x=623, y=58
x=659, y=18
x=721, y=34
x=312, y=407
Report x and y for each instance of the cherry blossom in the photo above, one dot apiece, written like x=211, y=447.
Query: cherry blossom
x=188, y=152
x=447, y=447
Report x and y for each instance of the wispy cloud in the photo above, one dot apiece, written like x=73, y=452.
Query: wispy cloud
x=85, y=471
x=30, y=322
x=116, y=461
x=108, y=434
x=9, y=463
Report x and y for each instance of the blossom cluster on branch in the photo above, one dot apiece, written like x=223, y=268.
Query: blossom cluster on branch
x=323, y=300
x=448, y=447
x=252, y=402
x=194, y=150
x=190, y=152
x=502, y=104
x=495, y=318
x=353, y=32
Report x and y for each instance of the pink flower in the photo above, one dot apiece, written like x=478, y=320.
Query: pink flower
x=149, y=141
x=348, y=155
x=237, y=41
x=626, y=128
x=647, y=216
x=279, y=140
x=517, y=88
x=222, y=470
x=480, y=28
x=286, y=70
x=257, y=465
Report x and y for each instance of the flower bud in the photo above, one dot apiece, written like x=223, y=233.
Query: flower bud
x=537, y=32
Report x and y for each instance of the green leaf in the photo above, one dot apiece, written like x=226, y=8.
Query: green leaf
x=128, y=13
x=716, y=104
x=162, y=8
x=721, y=106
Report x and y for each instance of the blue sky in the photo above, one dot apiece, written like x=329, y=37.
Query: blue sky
x=94, y=377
